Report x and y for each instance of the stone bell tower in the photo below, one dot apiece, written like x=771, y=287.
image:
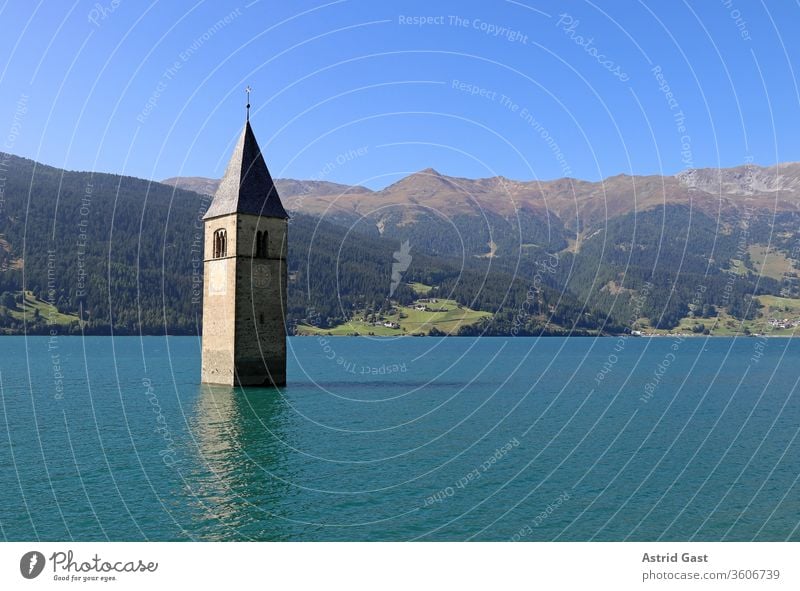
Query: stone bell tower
x=244, y=284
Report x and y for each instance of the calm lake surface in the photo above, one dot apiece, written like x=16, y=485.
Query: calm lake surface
x=403, y=439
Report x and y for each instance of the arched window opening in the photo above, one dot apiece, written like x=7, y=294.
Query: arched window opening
x=261, y=244
x=220, y=244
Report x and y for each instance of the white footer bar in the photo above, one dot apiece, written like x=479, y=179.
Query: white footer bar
x=406, y=567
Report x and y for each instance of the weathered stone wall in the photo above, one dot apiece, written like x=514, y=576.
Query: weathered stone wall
x=244, y=304
x=219, y=305
x=261, y=303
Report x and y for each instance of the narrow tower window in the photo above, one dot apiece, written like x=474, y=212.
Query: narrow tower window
x=261, y=244
x=220, y=244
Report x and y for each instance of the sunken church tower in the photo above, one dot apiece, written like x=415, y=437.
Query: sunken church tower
x=244, y=285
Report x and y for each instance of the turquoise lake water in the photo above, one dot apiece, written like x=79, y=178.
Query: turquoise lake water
x=403, y=439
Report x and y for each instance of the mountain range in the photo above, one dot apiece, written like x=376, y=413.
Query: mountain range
x=578, y=204
x=112, y=253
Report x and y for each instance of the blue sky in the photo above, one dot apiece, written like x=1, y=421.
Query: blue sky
x=364, y=92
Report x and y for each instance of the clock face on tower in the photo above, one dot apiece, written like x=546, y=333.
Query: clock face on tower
x=260, y=276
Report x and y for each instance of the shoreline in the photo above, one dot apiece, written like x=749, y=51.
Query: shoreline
x=392, y=337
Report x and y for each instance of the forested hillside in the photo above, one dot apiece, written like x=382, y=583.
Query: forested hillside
x=98, y=252
x=125, y=254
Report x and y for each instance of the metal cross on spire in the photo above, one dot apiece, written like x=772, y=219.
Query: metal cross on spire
x=248, y=90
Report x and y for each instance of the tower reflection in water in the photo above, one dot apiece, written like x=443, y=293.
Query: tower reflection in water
x=241, y=482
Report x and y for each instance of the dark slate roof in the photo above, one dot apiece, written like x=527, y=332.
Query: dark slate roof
x=247, y=186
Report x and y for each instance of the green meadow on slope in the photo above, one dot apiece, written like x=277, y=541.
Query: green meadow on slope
x=441, y=316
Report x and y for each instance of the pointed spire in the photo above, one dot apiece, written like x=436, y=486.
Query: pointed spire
x=248, y=90
x=247, y=186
